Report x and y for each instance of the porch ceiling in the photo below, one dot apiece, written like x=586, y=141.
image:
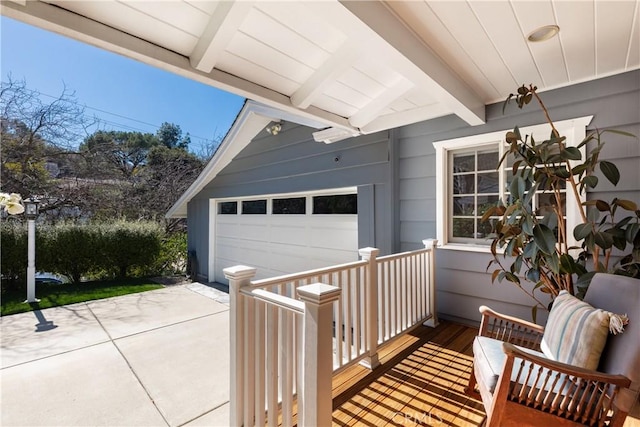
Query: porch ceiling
x=359, y=66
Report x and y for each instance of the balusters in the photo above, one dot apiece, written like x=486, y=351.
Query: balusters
x=272, y=365
x=379, y=300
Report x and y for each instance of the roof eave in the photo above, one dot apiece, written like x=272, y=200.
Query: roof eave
x=252, y=118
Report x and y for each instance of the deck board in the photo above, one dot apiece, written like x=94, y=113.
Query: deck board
x=420, y=382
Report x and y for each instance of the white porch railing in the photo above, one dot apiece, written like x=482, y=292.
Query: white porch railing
x=288, y=337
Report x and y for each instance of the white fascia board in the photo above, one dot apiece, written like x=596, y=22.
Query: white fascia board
x=251, y=120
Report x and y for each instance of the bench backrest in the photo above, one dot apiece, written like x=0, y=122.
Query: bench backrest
x=621, y=355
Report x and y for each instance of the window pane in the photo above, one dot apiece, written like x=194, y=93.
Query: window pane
x=509, y=178
x=463, y=206
x=463, y=227
x=463, y=163
x=228, y=208
x=475, y=187
x=488, y=182
x=463, y=184
x=254, y=207
x=546, y=184
x=546, y=201
x=294, y=205
x=337, y=204
x=488, y=161
x=485, y=202
x=485, y=230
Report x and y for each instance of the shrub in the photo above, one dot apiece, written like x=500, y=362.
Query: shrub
x=13, y=256
x=71, y=250
x=91, y=250
x=130, y=245
x=173, y=254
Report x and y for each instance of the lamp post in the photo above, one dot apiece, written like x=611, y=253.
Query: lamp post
x=31, y=212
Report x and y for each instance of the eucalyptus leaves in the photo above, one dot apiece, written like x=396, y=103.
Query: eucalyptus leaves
x=536, y=240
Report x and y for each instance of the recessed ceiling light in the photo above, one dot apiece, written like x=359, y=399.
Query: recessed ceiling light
x=543, y=33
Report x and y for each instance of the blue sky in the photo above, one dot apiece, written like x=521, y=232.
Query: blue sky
x=139, y=97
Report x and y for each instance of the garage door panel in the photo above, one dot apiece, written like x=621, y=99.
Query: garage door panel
x=334, y=239
x=296, y=235
x=287, y=259
x=227, y=229
x=323, y=257
x=234, y=248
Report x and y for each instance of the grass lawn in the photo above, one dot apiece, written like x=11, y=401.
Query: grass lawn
x=52, y=295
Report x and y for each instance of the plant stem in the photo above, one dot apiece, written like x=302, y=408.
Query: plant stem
x=574, y=186
x=530, y=294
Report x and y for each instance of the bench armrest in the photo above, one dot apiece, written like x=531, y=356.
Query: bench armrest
x=575, y=371
x=540, y=384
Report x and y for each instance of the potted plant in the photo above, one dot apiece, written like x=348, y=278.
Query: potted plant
x=536, y=244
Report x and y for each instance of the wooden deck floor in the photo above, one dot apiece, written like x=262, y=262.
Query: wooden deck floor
x=420, y=382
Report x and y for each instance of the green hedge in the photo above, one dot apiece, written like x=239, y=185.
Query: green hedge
x=173, y=254
x=70, y=250
x=13, y=254
x=130, y=245
x=99, y=250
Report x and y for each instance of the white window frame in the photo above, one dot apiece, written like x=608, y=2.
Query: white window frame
x=575, y=130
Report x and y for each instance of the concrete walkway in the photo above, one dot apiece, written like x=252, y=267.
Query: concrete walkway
x=158, y=358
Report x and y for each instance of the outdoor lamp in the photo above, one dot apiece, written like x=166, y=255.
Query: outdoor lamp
x=31, y=212
x=31, y=208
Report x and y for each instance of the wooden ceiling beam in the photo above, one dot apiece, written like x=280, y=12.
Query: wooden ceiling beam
x=427, y=69
x=402, y=118
x=225, y=21
x=369, y=112
x=338, y=63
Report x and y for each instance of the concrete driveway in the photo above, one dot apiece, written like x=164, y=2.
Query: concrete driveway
x=158, y=358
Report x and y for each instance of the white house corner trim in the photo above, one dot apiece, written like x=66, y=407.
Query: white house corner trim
x=211, y=241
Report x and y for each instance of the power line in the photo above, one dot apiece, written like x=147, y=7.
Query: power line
x=203, y=144
x=156, y=127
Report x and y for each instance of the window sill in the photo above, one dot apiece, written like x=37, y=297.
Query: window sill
x=468, y=248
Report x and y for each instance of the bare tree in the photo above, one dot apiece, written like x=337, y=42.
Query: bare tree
x=33, y=132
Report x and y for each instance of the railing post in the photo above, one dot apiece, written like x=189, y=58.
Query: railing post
x=317, y=357
x=431, y=244
x=239, y=276
x=371, y=294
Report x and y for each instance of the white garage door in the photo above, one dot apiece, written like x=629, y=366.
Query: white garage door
x=286, y=233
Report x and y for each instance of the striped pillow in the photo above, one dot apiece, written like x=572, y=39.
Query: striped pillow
x=575, y=332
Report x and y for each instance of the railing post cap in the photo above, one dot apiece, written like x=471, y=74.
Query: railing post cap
x=368, y=251
x=319, y=293
x=239, y=272
x=430, y=243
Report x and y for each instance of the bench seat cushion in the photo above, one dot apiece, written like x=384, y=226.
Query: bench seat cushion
x=488, y=359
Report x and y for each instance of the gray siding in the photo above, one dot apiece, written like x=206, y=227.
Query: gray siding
x=292, y=161
x=462, y=281
x=395, y=175
x=198, y=221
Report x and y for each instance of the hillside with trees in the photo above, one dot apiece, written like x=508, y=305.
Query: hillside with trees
x=49, y=153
